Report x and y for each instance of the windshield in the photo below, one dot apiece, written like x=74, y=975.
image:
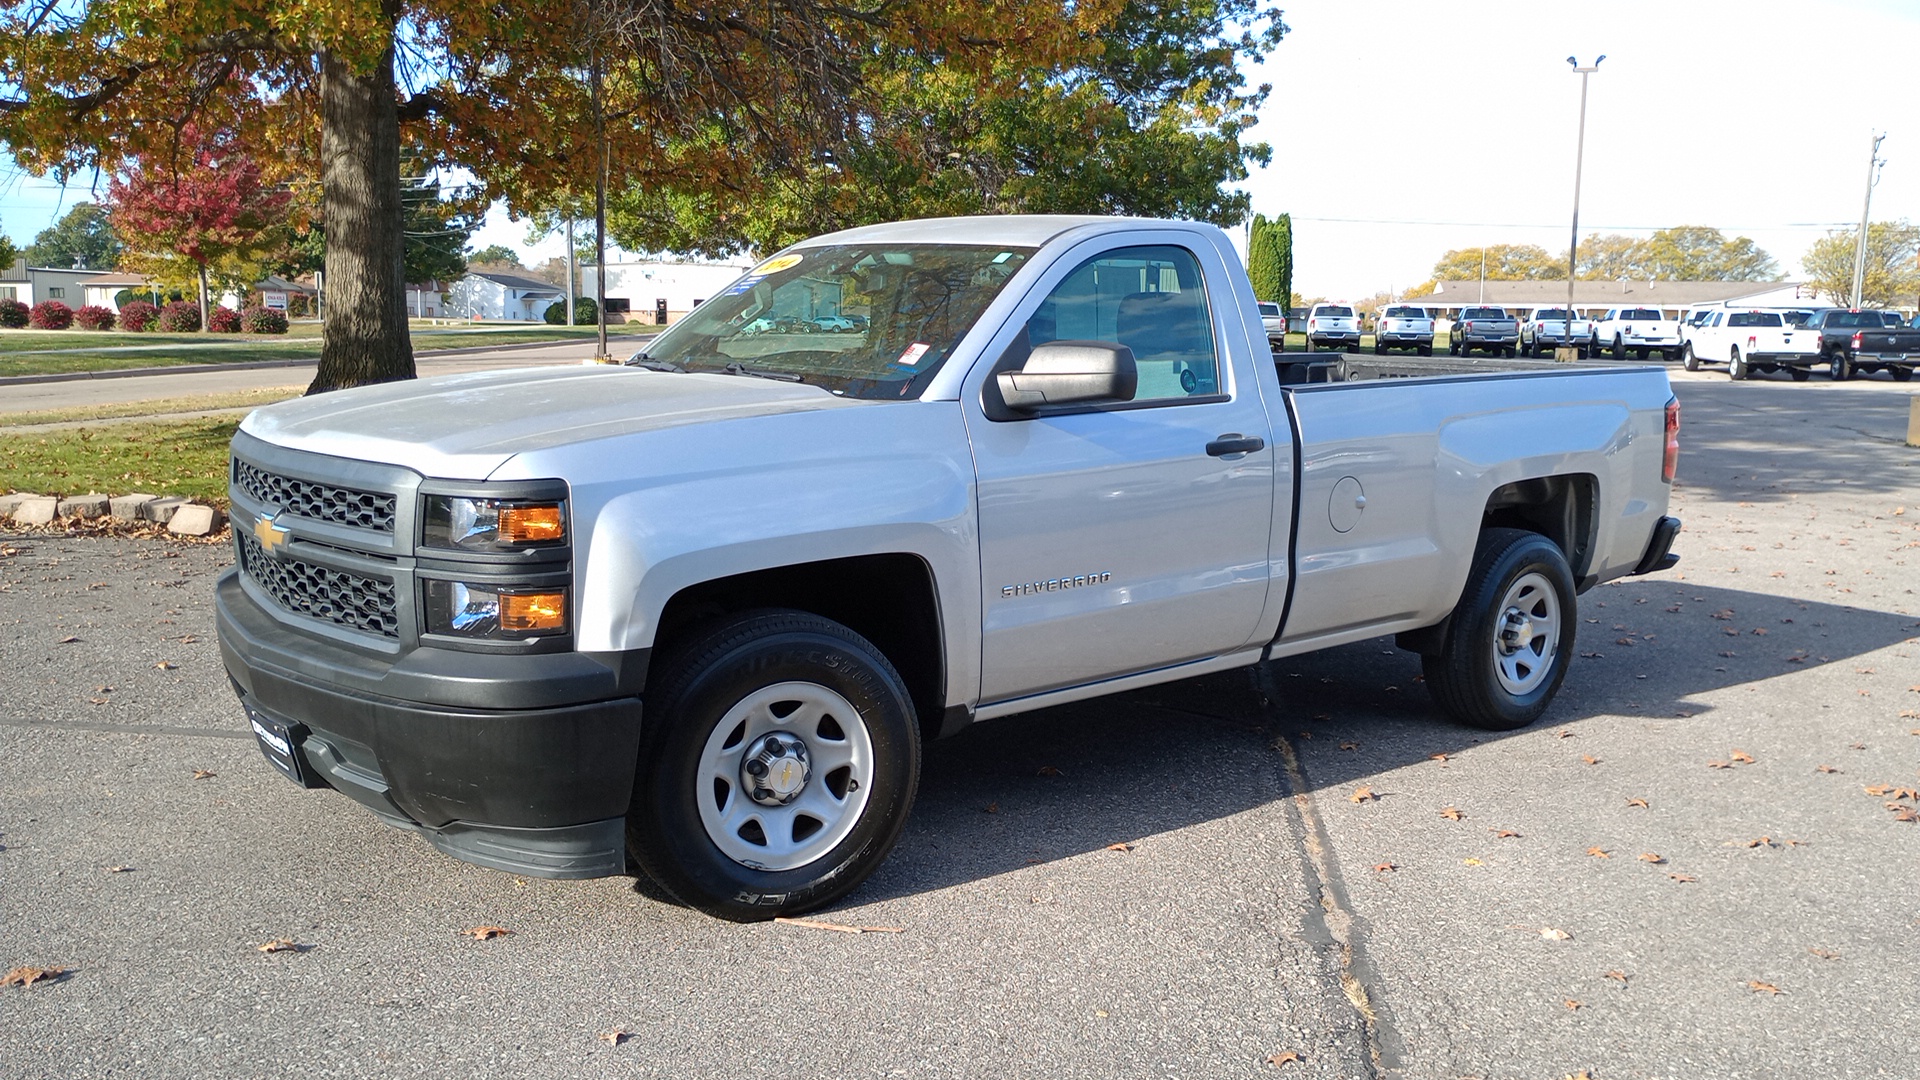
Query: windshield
x=863, y=320
x=1640, y=313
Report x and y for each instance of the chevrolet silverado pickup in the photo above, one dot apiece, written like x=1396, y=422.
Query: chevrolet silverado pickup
x=1749, y=342
x=693, y=616
x=1852, y=341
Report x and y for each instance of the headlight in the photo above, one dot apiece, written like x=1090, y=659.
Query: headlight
x=492, y=611
x=491, y=524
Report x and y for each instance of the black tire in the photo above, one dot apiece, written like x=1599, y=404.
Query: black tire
x=1900, y=374
x=1799, y=374
x=1640, y=354
x=1485, y=675
x=1425, y=350
x=1354, y=348
x=738, y=675
x=1378, y=349
x=1619, y=349
x=1508, y=351
x=1737, y=366
x=1688, y=360
x=1837, y=367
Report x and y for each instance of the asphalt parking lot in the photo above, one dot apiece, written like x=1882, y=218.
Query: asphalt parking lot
x=1702, y=863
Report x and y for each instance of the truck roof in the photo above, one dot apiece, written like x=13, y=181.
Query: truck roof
x=1013, y=230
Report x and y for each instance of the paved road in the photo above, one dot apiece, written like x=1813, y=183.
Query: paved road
x=79, y=393
x=1254, y=916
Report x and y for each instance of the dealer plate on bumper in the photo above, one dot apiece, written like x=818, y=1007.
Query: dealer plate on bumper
x=280, y=742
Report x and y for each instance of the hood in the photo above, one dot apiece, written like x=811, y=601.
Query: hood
x=467, y=425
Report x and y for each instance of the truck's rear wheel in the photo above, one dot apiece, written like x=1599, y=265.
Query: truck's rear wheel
x=1508, y=645
x=1900, y=374
x=1837, y=366
x=1688, y=360
x=1737, y=365
x=778, y=759
x=1800, y=374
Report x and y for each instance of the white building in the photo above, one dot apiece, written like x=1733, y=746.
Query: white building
x=32, y=284
x=642, y=290
x=488, y=294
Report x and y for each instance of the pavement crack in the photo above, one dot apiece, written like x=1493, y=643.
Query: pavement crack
x=1331, y=908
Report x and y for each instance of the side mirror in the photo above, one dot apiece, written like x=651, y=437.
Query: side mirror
x=1070, y=373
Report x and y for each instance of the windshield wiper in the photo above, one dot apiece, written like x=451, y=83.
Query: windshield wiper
x=648, y=363
x=737, y=368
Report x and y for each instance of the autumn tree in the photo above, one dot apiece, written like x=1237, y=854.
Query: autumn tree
x=1893, y=264
x=496, y=255
x=531, y=98
x=1682, y=253
x=205, y=204
x=8, y=253
x=1501, y=262
x=82, y=237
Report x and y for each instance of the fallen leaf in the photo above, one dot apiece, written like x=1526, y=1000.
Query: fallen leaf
x=486, y=933
x=1553, y=933
x=1453, y=814
x=1503, y=834
x=1825, y=769
x=1759, y=987
x=1742, y=757
x=278, y=944
x=1600, y=853
x=1621, y=976
x=203, y=774
x=1589, y=759
x=1441, y=758
x=1565, y=733
x=1349, y=746
x=1904, y=813
x=69, y=640
x=614, y=1037
x=1573, y=1005
x=165, y=665
x=1764, y=841
x=1471, y=862
x=27, y=976
x=839, y=928
x=1825, y=954
x=1123, y=846
x=1719, y=765
x=1047, y=770
x=1878, y=790
x=1362, y=794
x=1285, y=1057
x=993, y=808
x=1385, y=867
x=119, y=869
x=1683, y=878
x=1641, y=803
x=1651, y=857
x=1857, y=746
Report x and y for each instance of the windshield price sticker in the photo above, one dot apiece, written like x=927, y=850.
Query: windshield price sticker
x=913, y=354
x=774, y=266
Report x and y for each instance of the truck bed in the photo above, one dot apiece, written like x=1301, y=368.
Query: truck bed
x=1295, y=369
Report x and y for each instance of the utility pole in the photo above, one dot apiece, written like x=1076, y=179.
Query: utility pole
x=1860, y=244
x=600, y=356
x=1579, y=163
x=570, y=269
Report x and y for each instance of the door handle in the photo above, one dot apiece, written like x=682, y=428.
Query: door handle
x=1235, y=443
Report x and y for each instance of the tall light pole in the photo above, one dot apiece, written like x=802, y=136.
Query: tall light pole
x=1579, y=162
x=1860, y=245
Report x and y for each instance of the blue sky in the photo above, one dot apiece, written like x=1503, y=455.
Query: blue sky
x=1403, y=128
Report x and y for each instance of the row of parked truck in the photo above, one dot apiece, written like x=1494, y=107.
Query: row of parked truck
x=1842, y=341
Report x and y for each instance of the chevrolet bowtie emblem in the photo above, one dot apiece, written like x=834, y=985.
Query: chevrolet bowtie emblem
x=271, y=536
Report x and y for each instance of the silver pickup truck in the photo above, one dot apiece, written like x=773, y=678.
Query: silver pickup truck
x=695, y=616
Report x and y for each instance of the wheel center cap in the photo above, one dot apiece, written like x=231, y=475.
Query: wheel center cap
x=775, y=769
x=1516, y=631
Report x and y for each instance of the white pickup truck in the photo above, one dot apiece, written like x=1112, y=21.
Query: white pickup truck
x=1749, y=342
x=1641, y=331
x=695, y=615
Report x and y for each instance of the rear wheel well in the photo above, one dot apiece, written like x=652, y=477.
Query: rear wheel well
x=888, y=599
x=1564, y=509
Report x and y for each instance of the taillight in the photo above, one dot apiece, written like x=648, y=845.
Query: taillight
x=1670, y=460
x=1856, y=340
x=1468, y=325
x=1752, y=341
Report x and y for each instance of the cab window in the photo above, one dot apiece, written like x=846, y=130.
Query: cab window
x=1150, y=299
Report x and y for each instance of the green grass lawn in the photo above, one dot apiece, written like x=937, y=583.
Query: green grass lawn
x=182, y=457
x=47, y=352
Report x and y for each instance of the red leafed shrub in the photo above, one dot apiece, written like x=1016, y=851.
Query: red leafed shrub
x=13, y=314
x=51, y=315
x=94, y=317
x=223, y=320
x=180, y=317
x=263, y=320
x=137, y=315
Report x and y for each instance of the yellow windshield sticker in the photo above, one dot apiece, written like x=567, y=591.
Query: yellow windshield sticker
x=774, y=266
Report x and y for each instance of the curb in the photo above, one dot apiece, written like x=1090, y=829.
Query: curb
x=257, y=365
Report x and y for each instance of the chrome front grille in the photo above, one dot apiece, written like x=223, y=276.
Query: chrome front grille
x=320, y=502
x=320, y=592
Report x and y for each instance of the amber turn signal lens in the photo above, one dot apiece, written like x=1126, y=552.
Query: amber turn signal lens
x=533, y=611
x=531, y=524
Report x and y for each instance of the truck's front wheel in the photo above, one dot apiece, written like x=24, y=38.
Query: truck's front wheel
x=1508, y=645
x=778, y=759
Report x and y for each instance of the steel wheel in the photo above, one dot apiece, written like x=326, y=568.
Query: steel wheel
x=784, y=776
x=1526, y=634
x=1688, y=360
x=1736, y=367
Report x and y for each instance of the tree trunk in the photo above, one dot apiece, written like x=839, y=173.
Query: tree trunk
x=365, y=339
x=205, y=325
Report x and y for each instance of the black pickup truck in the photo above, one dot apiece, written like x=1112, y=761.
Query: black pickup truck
x=1855, y=341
